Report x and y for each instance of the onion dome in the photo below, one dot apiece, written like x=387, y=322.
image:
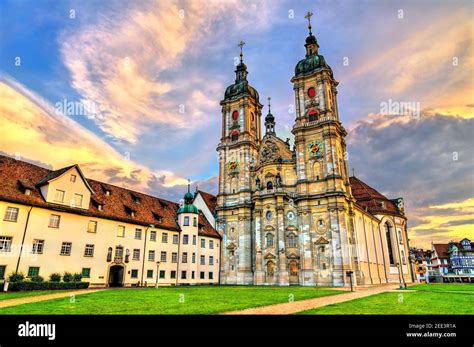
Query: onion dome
x=313, y=61
x=188, y=206
x=241, y=85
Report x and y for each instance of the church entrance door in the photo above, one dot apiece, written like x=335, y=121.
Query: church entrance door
x=116, y=276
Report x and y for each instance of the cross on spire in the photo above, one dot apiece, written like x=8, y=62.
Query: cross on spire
x=189, y=185
x=353, y=172
x=308, y=17
x=269, y=104
x=241, y=45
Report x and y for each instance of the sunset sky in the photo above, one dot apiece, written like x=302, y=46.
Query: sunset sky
x=155, y=71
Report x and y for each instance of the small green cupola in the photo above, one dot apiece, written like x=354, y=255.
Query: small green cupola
x=188, y=206
x=270, y=120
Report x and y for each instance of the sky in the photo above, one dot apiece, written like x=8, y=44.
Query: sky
x=131, y=91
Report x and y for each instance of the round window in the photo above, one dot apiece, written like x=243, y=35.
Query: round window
x=269, y=215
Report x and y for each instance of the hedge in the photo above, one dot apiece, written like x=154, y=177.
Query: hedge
x=28, y=285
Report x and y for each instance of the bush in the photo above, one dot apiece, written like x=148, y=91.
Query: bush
x=37, y=279
x=77, y=277
x=67, y=277
x=16, y=277
x=30, y=285
x=55, y=277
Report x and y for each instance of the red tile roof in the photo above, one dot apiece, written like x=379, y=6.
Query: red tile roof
x=371, y=200
x=441, y=250
x=117, y=206
x=210, y=200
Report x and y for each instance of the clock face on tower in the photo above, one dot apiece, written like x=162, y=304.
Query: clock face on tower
x=315, y=149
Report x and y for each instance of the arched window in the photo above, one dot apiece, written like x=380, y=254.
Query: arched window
x=291, y=240
x=269, y=185
x=269, y=240
x=109, y=254
x=186, y=221
x=195, y=222
x=388, y=232
x=235, y=135
x=400, y=237
x=312, y=116
x=403, y=257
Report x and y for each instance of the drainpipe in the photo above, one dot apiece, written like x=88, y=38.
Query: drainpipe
x=23, y=240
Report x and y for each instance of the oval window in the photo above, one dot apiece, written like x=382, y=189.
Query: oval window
x=235, y=115
x=311, y=92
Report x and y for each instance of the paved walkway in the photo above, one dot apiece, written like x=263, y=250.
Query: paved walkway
x=308, y=304
x=30, y=299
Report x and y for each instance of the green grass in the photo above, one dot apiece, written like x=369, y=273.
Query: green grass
x=445, y=287
x=171, y=300
x=14, y=295
x=428, y=299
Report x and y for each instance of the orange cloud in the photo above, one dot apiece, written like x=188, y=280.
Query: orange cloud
x=32, y=129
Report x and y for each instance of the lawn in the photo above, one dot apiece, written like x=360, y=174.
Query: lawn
x=428, y=299
x=171, y=300
x=14, y=295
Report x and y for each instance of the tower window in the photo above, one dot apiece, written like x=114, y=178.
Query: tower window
x=269, y=185
x=235, y=136
x=313, y=115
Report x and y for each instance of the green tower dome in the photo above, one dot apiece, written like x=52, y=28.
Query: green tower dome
x=188, y=206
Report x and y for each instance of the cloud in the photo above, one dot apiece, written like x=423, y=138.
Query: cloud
x=137, y=64
x=428, y=160
x=33, y=130
x=430, y=64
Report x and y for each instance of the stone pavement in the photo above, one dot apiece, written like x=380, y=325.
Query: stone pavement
x=29, y=299
x=308, y=304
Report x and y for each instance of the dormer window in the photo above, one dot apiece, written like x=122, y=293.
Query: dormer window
x=73, y=178
x=27, y=191
x=107, y=193
x=136, y=198
x=100, y=207
x=132, y=213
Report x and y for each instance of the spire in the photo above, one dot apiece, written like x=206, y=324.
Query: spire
x=308, y=17
x=188, y=197
x=241, y=45
x=241, y=71
x=311, y=42
x=270, y=120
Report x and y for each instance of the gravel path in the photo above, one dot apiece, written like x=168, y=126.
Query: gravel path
x=29, y=299
x=303, y=305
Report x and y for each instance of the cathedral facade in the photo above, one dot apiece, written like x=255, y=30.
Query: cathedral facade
x=292, y=214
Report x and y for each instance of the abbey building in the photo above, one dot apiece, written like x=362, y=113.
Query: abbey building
x=292, y=214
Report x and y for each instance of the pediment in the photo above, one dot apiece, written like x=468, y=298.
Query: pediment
x=274, y=150
x=269, y=256
x=321, y=241
x=292, y=255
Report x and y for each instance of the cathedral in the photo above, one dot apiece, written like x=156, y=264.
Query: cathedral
x=292, y=215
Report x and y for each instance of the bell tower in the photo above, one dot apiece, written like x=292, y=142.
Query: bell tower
x=321, y=165
x=238, y=149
